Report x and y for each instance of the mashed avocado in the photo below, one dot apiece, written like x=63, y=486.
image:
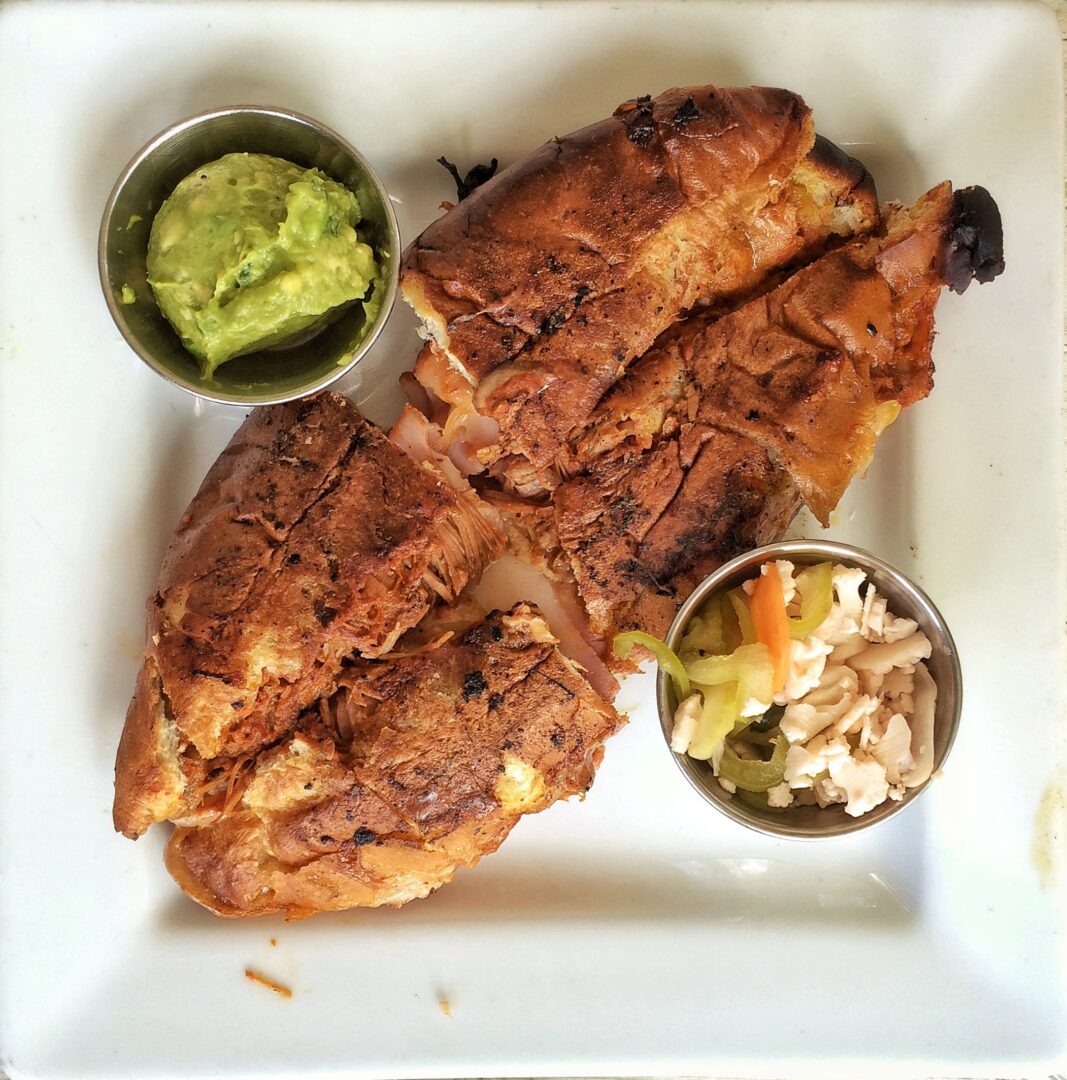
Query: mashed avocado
x=250, y=250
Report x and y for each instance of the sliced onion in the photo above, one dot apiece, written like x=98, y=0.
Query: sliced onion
x=922, y=728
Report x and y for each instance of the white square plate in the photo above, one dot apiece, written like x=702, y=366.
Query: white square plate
x=639, y=932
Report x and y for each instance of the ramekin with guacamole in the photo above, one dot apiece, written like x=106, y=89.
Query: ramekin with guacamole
x=251, y=250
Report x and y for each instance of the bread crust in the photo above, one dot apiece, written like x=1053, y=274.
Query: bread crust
x=714, y=437
x=419, y=765
x=542, y=285
x=643, y=527
x=311, y=537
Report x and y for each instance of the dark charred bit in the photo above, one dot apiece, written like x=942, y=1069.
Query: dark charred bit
x=203, y=673
x=639, y=572
x=973, y=247
x=239, y=704
x=553, y=322
x=360, y=440
x=557, y=737
x=580, y=294
x=686, y=113
x=474, y=684
x=480, y=634
x=323, y=613
x=495, y=701
x=830, y=156
x=363, y=836
x=637, y=116
x=474, y=179
x=293, y=559
x=872, y=329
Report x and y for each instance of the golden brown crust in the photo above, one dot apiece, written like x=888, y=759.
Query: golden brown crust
x=804, y=369
x=419, y=765
x=708, y=445
x=643, y=527
x=149, y=784
x=545, y=283
x=311, y=537
x=509, y=257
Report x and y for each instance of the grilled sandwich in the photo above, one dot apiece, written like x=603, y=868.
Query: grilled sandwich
x=728, y=425
x=311, y=538
x=418, y=764
x=540, y=288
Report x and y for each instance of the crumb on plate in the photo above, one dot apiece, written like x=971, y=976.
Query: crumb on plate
x=270, y=984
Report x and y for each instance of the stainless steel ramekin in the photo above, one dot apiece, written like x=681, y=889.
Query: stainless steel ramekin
x=281, y=373
x=905, y=599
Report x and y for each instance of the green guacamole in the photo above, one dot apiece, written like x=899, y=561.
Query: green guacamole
x=251, y=250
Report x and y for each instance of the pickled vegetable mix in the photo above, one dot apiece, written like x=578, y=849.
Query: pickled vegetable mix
x=798, y=690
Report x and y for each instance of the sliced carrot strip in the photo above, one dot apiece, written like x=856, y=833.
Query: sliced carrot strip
x=771, y=623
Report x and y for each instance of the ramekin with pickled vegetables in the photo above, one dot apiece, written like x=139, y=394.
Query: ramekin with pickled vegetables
x=799, y=685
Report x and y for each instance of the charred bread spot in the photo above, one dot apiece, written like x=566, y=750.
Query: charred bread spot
x=637, y=116
x=474, y=685
x=686, y=112
x=551, y=323
x=829, y=157
x=475, y=636
x=324, y=613
x=361, y=439
x=973, y=248
x=363, y=836
x=201, y=673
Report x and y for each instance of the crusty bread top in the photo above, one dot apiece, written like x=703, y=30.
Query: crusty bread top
x=311, y=537
x=647, y=523
x=418, y=765
x=705, y=447
x=543, y=285
x=509, y=260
